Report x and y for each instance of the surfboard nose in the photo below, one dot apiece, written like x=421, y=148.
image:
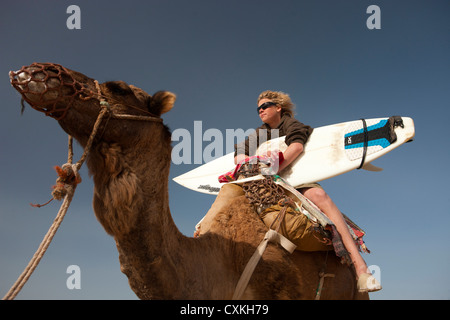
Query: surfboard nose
x=409, y=129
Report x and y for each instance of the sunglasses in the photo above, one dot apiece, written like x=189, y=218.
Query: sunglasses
x=266, y=105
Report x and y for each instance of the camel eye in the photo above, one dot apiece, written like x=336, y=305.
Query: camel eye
x=119, y=88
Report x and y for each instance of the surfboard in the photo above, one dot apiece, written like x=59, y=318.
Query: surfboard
x=330, y=151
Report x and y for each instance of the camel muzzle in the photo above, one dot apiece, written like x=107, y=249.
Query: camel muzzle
x=47, y=87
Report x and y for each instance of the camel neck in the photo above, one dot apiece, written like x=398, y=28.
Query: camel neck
x=131, y=202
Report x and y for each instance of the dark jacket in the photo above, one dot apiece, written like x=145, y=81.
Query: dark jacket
x=294, y=130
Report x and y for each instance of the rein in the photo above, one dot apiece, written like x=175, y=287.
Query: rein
x=66, y=184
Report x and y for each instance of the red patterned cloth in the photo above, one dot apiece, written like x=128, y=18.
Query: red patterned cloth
x=358, y=235
x=273, y=162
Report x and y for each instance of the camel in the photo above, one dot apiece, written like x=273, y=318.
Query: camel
x=129, y=162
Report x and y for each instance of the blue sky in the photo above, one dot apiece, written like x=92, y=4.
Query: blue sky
x=217, y=56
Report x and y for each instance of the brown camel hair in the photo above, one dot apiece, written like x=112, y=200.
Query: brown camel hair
x=129, y=163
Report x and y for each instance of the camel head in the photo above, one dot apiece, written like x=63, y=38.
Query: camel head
x=74, y=99
x=123, y=144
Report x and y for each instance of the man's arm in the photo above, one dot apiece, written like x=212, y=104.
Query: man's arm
x=290, y=154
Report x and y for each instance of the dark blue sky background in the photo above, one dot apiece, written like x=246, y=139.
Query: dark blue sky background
x=217, y=56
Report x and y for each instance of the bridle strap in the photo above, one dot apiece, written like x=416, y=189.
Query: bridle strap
x=104, y=103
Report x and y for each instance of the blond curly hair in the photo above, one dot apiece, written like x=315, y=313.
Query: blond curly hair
x=280, y=98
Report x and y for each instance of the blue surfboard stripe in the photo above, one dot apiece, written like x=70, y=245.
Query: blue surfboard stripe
x=380, y=124
x=379, y=142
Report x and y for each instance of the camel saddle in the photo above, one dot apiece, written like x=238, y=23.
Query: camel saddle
x=302, y=223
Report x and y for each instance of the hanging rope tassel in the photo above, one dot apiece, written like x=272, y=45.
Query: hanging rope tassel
x=68, y=177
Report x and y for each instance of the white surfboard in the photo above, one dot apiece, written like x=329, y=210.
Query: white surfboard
x=330, y=151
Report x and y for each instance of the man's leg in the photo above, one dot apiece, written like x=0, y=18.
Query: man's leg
x=324, y=202
x=366, y=282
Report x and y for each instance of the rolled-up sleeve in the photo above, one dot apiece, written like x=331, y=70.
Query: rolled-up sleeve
x=297, y=132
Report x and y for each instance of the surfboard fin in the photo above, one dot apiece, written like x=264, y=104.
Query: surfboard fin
x=371, y=167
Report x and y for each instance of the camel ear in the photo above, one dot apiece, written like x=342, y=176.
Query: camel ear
x=162, y=102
